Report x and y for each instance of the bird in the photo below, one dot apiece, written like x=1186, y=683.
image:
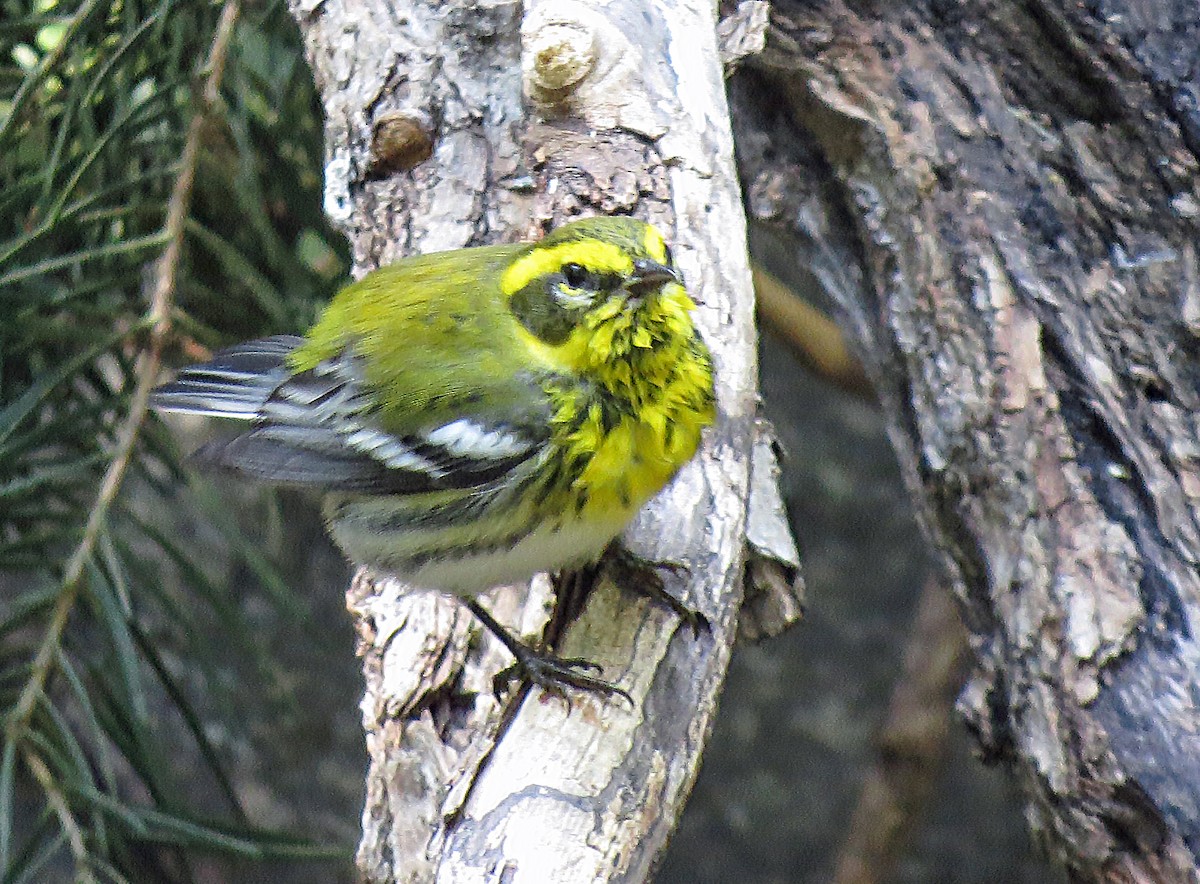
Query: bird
x=476, y=416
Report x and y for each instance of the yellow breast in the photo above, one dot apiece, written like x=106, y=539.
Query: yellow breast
x=622, y=458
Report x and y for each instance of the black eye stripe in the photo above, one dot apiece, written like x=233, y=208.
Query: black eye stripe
x=576, y=275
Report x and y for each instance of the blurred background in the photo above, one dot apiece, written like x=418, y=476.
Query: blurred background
x=178, y=680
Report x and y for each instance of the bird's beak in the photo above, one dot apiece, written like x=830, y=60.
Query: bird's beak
x=649, y=275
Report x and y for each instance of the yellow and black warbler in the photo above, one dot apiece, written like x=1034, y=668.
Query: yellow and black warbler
x=474, y=417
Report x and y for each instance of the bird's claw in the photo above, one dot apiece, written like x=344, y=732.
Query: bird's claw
x=552, y=673
x=641, y=574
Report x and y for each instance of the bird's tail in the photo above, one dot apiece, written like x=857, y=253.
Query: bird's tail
x=235, y=383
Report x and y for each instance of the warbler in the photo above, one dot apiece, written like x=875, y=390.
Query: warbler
x=477, y=416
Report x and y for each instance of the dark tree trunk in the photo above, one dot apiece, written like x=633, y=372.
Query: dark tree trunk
x=1002, y=199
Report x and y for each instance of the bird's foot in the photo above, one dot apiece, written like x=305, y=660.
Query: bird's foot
x=548, y=671
x=642, y=576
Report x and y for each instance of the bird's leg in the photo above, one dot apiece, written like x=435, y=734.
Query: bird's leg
x=548, y=671
x=641, y=575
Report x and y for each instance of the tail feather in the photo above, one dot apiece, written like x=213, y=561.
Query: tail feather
x=235, y=383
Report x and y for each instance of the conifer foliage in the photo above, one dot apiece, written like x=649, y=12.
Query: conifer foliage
x=159, y=197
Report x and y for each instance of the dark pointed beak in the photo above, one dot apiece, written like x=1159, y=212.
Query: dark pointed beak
x=649, y=275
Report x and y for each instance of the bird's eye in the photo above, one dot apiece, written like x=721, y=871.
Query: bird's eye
x=576, y=275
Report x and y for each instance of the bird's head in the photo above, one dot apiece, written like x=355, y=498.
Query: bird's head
x=597, y=290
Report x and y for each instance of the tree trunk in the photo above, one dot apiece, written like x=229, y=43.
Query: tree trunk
x=1002, y=199
x=461, y=123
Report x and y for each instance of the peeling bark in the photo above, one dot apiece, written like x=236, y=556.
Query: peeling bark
x=1003, y=200
x=576, y=108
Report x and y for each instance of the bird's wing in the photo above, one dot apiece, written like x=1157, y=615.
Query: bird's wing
x=324, y=428
x=235, y=383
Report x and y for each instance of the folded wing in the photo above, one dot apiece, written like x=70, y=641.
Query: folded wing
x=323, y=428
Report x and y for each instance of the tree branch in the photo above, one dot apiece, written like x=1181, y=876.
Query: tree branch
x=911, y=744
x=629, y=116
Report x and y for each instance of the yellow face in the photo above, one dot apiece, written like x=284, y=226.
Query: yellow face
x=591, y=283
x=601, y=256
x=596, y=256
x=655, y=246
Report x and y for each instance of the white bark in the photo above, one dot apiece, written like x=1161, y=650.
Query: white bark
x=581, y=108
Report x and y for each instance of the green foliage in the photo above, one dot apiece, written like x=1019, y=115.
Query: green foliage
x=97, y=100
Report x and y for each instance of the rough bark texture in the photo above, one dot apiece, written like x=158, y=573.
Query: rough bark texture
x=575, y=108
x=1003, y=200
